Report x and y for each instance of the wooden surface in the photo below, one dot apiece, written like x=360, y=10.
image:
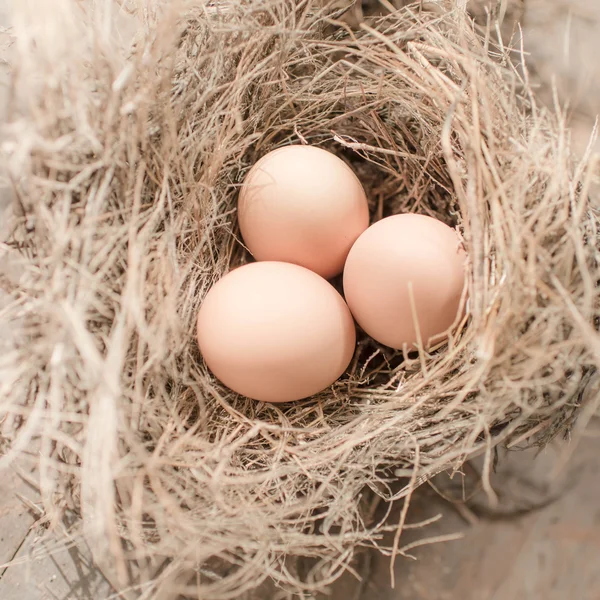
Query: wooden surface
x=552, y=553
x=42, y=566
x=547, y=554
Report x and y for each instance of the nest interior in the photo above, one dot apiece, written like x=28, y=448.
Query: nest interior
x=126, y=159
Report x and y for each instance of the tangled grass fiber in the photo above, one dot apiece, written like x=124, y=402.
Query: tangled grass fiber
x=126, y=159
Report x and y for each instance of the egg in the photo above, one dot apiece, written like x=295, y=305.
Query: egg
x=404, y=269
x=302, y=205
x=275, y=332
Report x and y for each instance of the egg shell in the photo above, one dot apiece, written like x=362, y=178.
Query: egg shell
x=275, y=332
x=395, y=256
x=303, y=205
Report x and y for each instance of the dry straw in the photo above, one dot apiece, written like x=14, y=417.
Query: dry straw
x=126, y=160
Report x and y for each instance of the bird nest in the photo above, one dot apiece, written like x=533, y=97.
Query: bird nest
x=126, y=159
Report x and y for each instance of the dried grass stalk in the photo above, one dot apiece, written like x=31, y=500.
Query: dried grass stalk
x=126, y=161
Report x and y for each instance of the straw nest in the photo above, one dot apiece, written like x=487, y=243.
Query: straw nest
x=126, y=160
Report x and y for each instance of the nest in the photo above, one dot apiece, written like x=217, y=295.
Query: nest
x=126, y=160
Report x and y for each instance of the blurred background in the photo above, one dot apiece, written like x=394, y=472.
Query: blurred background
x=536, y=537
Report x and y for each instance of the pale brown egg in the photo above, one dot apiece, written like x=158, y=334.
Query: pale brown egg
x=403, y=270
x=302, y=205
x=275, y=332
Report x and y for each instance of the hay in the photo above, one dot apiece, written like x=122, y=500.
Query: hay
x=126, y=161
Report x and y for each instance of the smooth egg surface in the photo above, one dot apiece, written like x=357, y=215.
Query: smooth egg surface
x=303, y=205
x=275, y=332
x=405, y=270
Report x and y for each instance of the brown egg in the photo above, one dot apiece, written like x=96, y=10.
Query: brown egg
x=394, y=256
x=275, y=332
x=303, y=205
